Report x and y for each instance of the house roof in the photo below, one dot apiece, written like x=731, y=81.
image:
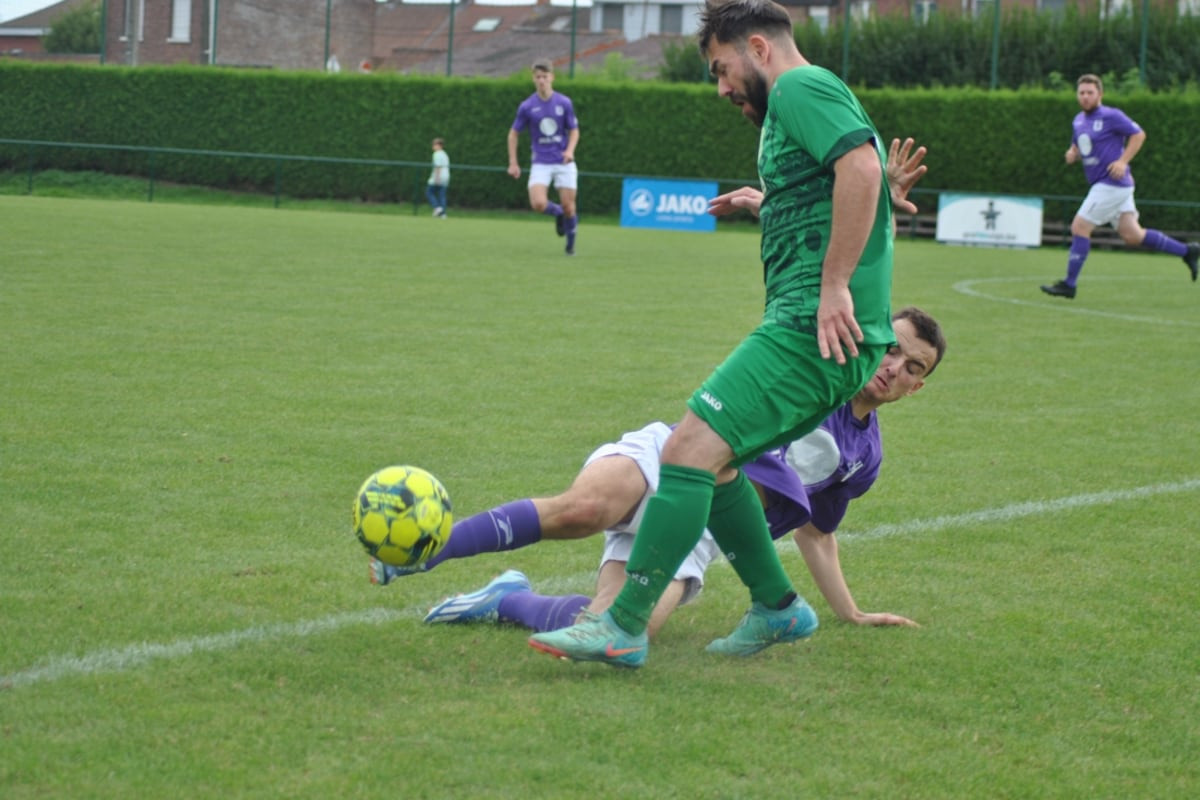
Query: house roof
x=42, y=19
x=414, y=38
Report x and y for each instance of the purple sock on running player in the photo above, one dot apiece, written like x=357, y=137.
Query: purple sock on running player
x=505, y=527
x=552, y=209
x=539, y=612
x=1080, y=246
x=1157, y=240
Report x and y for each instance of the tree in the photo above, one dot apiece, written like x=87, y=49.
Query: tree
x=76, y=31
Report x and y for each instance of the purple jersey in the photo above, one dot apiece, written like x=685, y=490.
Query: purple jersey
x=548, y=122
x=1100, y=137
x=815, y=477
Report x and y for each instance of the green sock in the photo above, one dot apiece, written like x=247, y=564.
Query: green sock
x=672, y=525
x=737, y=524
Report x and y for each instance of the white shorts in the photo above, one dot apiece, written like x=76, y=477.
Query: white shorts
x=562, y=176
x=1105, y=204
x=645, y=447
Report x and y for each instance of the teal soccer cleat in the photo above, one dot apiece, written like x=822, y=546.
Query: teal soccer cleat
x=594, y=638
x=482, y=605
x=763, y=627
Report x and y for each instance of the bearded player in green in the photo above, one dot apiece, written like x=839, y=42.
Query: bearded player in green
x=827, y=259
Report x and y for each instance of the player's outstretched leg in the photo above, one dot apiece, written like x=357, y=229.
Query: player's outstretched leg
x=763, y=627
x=482, y=605
x=595, y=637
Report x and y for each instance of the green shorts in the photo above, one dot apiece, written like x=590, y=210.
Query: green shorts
x=775, y=387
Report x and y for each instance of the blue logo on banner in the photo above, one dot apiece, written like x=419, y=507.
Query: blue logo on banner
x=671, y=205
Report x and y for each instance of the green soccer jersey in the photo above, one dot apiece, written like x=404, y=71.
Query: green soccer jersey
x=812, y=120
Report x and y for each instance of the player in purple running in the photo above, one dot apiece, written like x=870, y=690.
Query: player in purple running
x=1105, y=140
x=805, y=488
x=549, y=117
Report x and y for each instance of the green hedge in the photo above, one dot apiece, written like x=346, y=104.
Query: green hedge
x=1002, y=141
x=626, y=128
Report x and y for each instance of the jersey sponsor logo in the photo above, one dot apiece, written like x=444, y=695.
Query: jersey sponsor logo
x=713, y=402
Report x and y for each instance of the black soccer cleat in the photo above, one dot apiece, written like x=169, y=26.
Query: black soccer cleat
x=1060, y=289
x=1192, y=258
x=560, y=224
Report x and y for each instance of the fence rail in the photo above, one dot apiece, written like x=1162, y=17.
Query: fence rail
x=1055, y=228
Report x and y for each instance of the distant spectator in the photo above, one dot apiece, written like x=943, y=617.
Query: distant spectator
x=439, y=179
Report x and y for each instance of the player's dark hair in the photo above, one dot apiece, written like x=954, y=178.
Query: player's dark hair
x=1093, y=79
x=543, y=65
x=734, y=21
x=928, y=330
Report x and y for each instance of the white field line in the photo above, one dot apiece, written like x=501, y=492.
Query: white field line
x=133, y=656
x=971, y=289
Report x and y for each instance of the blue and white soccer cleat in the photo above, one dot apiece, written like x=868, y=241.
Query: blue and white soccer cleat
x=763, y=627
x=596, y=637
x=482, y=605
x=382, y=574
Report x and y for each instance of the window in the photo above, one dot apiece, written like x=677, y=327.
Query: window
x=135, y=20
x=923, y=10
x=612, y=17
x=819, y=15
x=1113, y=8
x=181, y=21
x=671, y=19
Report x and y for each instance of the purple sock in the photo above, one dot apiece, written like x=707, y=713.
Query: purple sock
x=505, y=527
x=552, y=209
x=572, y=223
x=1080, y=246
x=539, y=612
x=1157, y=240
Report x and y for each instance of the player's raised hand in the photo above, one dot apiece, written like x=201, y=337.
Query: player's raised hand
x=904, y=169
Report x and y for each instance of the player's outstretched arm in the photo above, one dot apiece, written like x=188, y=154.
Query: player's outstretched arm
x=820, y=551
x=904, y=170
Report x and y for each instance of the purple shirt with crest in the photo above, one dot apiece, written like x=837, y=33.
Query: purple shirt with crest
x=1100, y=137
x=548, y=122
x=815, y=478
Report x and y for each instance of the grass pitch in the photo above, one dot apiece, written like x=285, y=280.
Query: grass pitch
x=192, y=394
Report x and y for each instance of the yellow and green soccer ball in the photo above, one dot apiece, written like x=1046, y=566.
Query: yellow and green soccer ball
x=402, y=515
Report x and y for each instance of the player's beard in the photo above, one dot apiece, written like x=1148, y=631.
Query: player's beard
x=756, y=95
